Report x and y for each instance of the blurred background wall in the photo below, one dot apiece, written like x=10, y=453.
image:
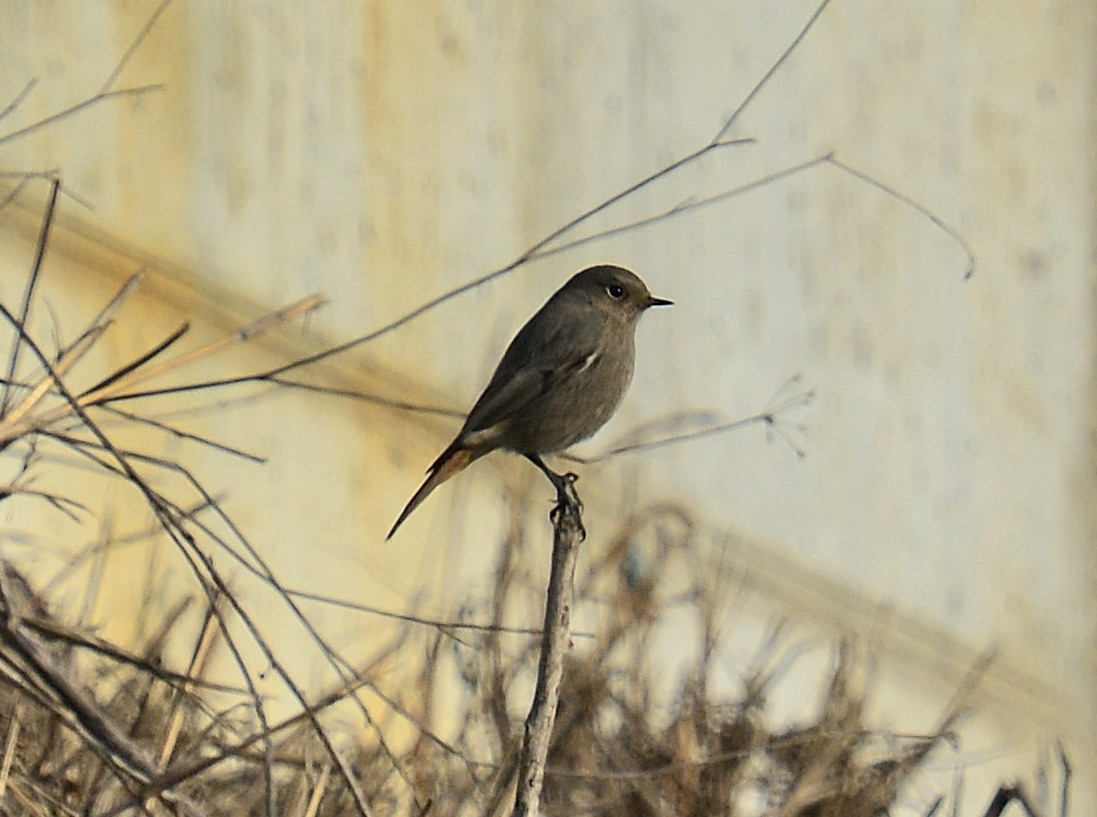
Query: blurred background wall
x=383, y=153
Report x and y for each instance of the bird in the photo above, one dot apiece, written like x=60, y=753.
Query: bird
x=559, y=381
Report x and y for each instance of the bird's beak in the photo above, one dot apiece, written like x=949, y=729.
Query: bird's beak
x=653, y=301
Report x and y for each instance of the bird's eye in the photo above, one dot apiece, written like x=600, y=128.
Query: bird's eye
x=616, y=291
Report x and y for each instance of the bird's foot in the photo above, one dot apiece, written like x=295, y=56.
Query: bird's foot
x=569, y=507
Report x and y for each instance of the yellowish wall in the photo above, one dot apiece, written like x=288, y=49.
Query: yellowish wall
x=382, y=153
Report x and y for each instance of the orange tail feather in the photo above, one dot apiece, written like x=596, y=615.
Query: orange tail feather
x=450, y=463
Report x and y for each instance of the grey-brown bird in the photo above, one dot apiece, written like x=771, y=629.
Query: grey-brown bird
x=559, y=381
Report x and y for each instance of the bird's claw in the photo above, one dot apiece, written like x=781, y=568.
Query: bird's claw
x=568, y=507
x=569, y=480
x=568, y=502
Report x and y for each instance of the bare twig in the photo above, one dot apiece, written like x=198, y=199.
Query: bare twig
x=106, y=91
x=17, y=100
x=139, y=361
x=770, y=418
x=210, y=632
x=14, y=724
x=1010, y=794
x=53, y=630
x=773, y=69
x=21, y=421
x=1068, y=773
x=28, y=293
x=138, y=39
x=79, y=106
x=114, y=385
x=941, y=224
x=11, y=424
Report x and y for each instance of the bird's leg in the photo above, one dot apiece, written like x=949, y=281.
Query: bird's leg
x=566, y=495
x=561, y=482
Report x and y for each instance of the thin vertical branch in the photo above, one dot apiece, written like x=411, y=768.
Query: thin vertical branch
x=555, y=639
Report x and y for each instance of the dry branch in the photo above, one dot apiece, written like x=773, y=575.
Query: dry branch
x=568, y=533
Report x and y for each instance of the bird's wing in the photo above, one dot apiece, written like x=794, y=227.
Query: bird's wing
x=540, y=355
x=502, y=400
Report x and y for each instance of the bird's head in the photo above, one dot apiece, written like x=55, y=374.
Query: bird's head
x=614, y=290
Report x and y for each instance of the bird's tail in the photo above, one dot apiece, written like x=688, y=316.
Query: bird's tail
x=452, y=461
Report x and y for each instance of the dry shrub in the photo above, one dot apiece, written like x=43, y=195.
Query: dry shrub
x=69, y=751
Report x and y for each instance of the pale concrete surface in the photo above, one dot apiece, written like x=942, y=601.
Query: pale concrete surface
x=385, y=153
